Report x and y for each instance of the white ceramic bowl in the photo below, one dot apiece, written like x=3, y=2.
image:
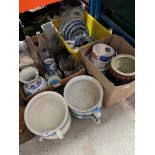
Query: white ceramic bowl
x=84, y=95
x=47, y=115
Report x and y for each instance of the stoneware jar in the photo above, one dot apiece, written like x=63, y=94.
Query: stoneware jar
x=33, y=83
x=101, y=56
x=84, y=96
x=122, y=69
x=47, y=115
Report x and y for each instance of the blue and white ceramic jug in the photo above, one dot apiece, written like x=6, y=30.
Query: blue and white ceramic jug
x=33, y=83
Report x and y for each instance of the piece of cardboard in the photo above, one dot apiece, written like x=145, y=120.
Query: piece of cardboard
x=113, y=94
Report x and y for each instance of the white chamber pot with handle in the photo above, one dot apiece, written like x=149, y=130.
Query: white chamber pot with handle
x=47, y=115
x=84, y=95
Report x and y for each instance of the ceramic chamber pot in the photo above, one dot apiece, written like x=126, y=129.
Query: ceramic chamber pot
x=122, y=69
x=47, y=115
x=84, y=96
x=33, y=83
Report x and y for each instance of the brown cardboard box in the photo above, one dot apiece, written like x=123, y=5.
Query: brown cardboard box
x=49, y=88
x=113, y=94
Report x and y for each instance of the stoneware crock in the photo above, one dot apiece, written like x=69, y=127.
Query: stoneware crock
x=122, y=69
x=33, y=83
x=84, y=96
x=47, y=115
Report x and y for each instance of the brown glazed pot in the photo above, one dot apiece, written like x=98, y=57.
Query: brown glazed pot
x=122, y=69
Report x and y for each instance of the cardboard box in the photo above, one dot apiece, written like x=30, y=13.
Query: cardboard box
x=49, y=88
x=113, y=94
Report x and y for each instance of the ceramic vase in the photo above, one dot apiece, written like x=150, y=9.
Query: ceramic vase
x=33, y=83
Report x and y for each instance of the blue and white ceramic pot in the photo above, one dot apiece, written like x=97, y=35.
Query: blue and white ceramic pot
x=102, y=55
x=33, y=83
x=84, y=96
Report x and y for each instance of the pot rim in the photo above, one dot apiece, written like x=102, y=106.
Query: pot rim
x=120, y=56
x=28, y=68
x=79, y=78
x=37, y=97
x=102, y=44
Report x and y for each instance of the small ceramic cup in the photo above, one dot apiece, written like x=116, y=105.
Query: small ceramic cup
x=54, y=80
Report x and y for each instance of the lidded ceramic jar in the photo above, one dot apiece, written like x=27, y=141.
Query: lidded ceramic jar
x=47, y=115
x=33, y=83
x=122, y=69
x=84, y=96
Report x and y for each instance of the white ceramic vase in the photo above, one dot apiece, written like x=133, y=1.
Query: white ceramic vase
x=33, y=83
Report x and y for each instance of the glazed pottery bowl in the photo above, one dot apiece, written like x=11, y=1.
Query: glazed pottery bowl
x=123, y=68
x=84, y=96
x=47, y=115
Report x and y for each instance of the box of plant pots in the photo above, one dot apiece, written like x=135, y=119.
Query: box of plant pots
x=114, y=91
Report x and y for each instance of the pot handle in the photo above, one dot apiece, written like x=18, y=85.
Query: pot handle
x=46, y=134
x=96, y=115
x=60, y=135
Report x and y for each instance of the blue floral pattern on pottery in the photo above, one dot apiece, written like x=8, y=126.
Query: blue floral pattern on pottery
x=35, y=84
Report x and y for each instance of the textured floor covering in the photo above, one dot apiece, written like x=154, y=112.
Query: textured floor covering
x=114, y=136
